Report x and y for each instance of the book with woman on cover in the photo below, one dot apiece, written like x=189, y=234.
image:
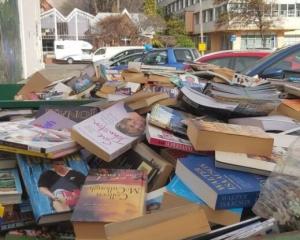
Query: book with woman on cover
x=111, y=132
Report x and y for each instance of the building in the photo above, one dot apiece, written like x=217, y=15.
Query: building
x=76, y=26
x=285, y=30
x=20, y=40
x=80, y=25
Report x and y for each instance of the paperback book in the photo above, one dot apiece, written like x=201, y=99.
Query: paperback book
x=10, y=186
x=109, y=195
x=164, y=138
x=23, y=135
x=53, y=186
x=219, y=188
x=111, y=132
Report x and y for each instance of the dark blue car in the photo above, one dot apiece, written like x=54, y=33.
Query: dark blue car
x=283, y=63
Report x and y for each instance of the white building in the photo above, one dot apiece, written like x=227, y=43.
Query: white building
x=286, y=29
x=55, y=26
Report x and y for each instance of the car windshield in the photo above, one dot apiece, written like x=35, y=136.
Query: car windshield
x=264, y=59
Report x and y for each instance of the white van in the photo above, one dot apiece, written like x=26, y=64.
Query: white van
x=70, y=51
x=105, y=53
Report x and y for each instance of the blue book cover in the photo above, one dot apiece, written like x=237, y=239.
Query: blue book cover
x=219, y=188
x=53, y=186
x=10, y=185
x=177, y=187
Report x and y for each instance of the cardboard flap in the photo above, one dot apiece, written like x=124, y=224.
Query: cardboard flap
x=36, y=83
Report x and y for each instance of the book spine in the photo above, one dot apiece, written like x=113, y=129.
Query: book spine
x=14, y=145
x=237, y=200
x=168, y=144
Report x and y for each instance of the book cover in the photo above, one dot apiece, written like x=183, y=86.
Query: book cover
x=53, y=186
x=23, y=135
x=215, y=136
x=170, y=119
x=273, y=123
x=10, y=186
x=111, y=132
x=111, y=195
x=7, y=160
x=223, y=217
x=21, y=215
x=53, y=120
x=218, y=188
x=74, y=113
x=160, y=137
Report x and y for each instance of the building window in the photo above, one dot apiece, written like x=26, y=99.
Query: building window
x=297, y=10
x=204, y=16
x=275, y=10
x=210, y=15
x=186, y=3
x=197, y=18
x=181, y=4
x=283, y=9
x=217, y=13
x=291, y=10
x=255, y=41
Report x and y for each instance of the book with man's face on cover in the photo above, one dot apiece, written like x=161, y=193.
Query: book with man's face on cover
x=111, y=132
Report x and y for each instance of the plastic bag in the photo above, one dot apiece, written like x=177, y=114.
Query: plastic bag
x=280, y=196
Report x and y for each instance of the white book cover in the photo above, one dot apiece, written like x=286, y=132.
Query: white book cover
x=22, y=134
x=112, y=129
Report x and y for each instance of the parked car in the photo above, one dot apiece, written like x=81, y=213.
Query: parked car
x=283, y=63
x=120, y=56
x=122, y=63
x=236, y=60
x=106, y=53
x=71, y=50
x=167, y=57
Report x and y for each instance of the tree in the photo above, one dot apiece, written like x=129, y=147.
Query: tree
x=184, y=41
x=113, y=29
x=150, y=7
x=251, y=14
x=175, y=26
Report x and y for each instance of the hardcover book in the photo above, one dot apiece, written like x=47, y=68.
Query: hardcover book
x=10, y=186
x=213, y=136
x=23, y=135
x=53, y=186
x=222, y=217
x=7, y=160
x=164, y=138
x=111, y=132
x=218, y=188
x=290, y=108
x=170, y=119
x=109, y=195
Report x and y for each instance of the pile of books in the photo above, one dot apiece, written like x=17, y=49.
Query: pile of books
x=162, y=155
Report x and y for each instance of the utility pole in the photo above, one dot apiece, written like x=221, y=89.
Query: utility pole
x=201, y=27
x=118, y=5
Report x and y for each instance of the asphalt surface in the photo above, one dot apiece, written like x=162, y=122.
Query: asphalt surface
x=55, y=72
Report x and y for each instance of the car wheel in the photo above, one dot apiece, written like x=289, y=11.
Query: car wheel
x=70, y=60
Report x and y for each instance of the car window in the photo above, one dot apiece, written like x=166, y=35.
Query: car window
x=126, y=60
x=196, y=53
x=222, y=62
x=156, y=58
x=183, y=55
x=291, y=62
x=100, y=51
x=243, y=63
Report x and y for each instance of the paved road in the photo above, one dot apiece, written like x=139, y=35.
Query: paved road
x=60, y=71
